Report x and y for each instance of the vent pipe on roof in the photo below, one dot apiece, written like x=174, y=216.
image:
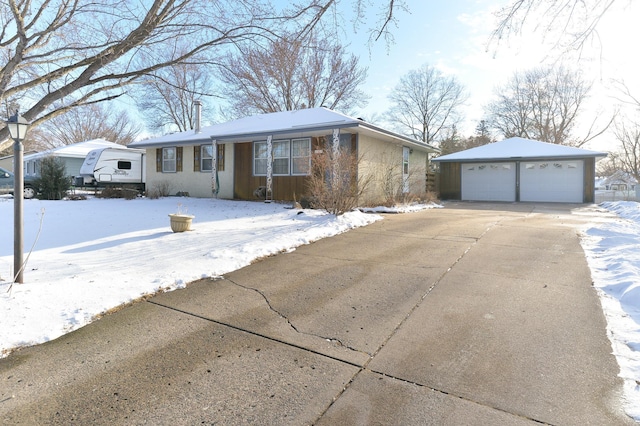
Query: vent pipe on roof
x=198, y=117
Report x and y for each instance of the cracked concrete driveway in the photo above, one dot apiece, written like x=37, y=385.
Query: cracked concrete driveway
x=472, y=314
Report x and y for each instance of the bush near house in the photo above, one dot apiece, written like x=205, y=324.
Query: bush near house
x=334, y=184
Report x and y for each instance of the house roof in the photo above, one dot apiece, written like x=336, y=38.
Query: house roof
x=619, y=177
x=76, y=150
x=518, y=148
x=284, y=124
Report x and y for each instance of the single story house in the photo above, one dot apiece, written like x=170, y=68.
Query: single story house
x=619, y=181
x=268, y=156
x=518, y=169
x=6, y=162
x=71, y=155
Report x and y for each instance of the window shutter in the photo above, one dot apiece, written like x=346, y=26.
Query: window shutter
x=196, y=158
x=178, y=159
x=220, y=157
x=159, y=160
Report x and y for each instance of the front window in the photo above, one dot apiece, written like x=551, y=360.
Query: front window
x=281, y=157
x=206, y=158
x=169, y=160
x=290, y=157
x=300, y=156
x=260, y=158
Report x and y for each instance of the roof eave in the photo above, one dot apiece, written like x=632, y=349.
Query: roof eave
x=536, y=158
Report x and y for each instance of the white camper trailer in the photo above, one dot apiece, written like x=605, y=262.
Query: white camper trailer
x=114, y=167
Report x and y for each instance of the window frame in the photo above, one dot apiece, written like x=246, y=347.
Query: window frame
x=293, y=161
x=262, y=159
x=204, y=158
x=166, y=161
x=287, y=157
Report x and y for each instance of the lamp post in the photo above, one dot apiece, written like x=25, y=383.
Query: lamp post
x=18, y=127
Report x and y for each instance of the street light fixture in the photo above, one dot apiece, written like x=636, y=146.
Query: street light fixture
x=18, y=127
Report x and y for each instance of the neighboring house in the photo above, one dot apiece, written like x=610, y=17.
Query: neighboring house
x=619, y=181
x=231, y=160
x=72, y=155
x=6, y=162
x=519, y=169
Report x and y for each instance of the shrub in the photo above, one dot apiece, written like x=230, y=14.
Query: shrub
x=334, y=185
x=126, y=193
x=53, y=182
x=159, y=189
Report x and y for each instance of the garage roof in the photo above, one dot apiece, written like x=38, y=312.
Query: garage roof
x=518, y=148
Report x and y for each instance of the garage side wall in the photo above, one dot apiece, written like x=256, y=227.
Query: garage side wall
x=589, y=180
x=450, y=186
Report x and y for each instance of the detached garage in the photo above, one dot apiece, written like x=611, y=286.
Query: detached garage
x=519, y=169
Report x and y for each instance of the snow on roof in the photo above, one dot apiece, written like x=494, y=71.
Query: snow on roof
x=77, y=150
x=282, y=124
x=514, y=148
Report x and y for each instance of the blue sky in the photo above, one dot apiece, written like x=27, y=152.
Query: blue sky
x=453, y=36
x=434, y=33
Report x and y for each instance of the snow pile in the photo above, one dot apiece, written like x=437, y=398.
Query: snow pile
x=612, y=249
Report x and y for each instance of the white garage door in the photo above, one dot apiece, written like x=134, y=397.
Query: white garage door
x=555, y=181
x=489, y=181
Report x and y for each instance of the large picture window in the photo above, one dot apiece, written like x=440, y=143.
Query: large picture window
x=290, y=157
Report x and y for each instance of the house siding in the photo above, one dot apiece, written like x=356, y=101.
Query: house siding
x=285, y=188
x=195, y=183
x=381, y=166
x=238, y=182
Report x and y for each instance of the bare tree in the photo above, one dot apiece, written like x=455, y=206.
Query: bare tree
x=426, y=103
x=628, y=134
x=167, y=97
x=95, y=121
x=61, y=54
x=578, y=20
x=291, y=74
x=542, y=104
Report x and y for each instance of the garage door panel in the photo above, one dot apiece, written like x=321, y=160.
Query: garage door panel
x=552, y=181
x=489, y=181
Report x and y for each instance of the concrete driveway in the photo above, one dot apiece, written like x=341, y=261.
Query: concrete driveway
x=472, y=314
